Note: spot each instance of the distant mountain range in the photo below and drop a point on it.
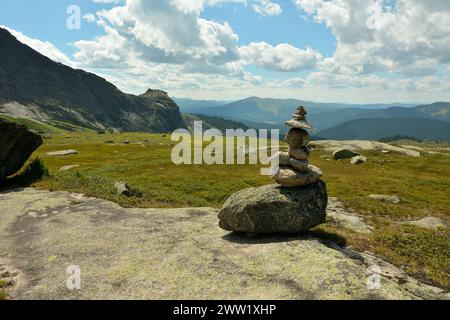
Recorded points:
(190, 105)
(35, 87)
(375, 129)
(330, 118)
(209, 122)
(274, 111)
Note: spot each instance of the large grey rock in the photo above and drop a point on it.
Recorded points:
(344, 154)
(275, 209)
(287, 177)
(17, 144)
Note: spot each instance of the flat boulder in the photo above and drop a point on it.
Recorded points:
(275, 209)
(17, 144)
(382, 197)
(61, 153)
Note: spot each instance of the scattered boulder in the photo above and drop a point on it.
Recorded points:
(358, 160)
(126, 142)
(62, 153)
(391, 199)
(109, 142)
(67, 168)
(385, 151)
(344, 154)
(122, 189)
(432, 223)
(17, 143)
(275, 209)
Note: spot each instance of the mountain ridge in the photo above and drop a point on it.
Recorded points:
(59, 92)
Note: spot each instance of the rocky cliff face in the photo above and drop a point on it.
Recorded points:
(58, 92)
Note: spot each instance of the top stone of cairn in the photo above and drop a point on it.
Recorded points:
(294, 169)
(298, 120)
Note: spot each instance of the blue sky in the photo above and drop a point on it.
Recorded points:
(321, 50)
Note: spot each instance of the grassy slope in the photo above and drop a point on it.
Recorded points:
(421, 183)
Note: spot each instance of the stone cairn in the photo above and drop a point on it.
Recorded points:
(298, 205)
(295, 169)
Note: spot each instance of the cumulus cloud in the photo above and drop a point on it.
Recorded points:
(267, 8)
(159, 31)
(282, 57)
(411, 37)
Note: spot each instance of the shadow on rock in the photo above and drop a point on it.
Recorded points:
(327, 238)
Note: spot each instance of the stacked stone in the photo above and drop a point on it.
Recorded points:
(294, 168)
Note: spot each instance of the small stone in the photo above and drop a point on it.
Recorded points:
(358, 160)
(385, 151)
(122, 189)
(299, 124)
(344, 154)
(381, 197)
(301, 153)
(62, 153)
(126, 142)
(283, 158)
(287, 177)
(109, 142)
(299, 165)
(297, 137)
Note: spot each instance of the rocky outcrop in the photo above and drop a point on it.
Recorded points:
(126, 253)
(275, 209)
(361, 145)
(75, 96)
(17, 144)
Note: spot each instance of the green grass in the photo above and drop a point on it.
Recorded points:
(422, 184)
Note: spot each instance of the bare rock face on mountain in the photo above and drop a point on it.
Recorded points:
(17, 143)
(52, 91)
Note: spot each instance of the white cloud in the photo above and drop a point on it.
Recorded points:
(411, 37)
(159, 31)
(267, 8)
(282, 57)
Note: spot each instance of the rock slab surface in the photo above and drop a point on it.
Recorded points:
(127, 253)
